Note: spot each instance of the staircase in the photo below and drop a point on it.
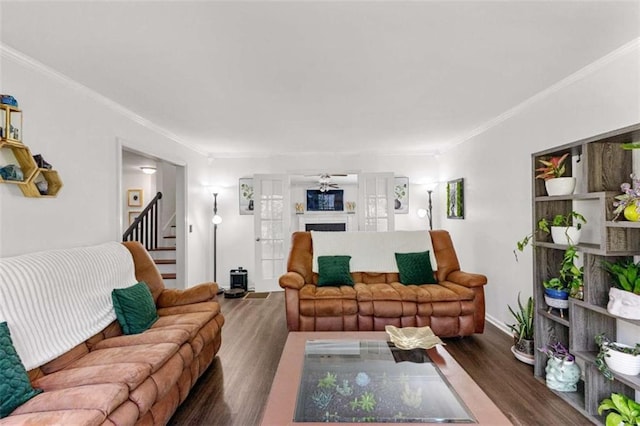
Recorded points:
(145, 230)
(164, 257)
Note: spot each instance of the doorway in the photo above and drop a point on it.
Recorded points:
(169, 178)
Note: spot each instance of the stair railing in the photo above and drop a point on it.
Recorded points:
(144, 228)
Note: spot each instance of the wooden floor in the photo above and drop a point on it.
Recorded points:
(235, 388)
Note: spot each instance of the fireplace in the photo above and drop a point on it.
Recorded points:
(333, 227)
(327, 221)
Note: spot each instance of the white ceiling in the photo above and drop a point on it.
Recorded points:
(263, 77)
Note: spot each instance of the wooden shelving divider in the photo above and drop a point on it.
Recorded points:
(604, 166)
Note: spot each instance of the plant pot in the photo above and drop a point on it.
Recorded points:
(624, 304)
(556, 298)
(560, 186)
(621, 362)
(562, 375)
(566, 235)
(631, 213)
(524, 346)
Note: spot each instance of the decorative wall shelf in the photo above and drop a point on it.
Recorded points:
(13, 151)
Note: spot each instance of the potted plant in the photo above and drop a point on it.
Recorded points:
(629, 202)
(562, 373)
(624, 296)
(618, 357)
(622, 410)
(552, 172)
(570, 283)
(564, 229)
(523, 331)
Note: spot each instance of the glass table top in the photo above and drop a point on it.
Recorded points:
(373, 381)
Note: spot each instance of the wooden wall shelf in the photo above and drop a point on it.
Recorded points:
(13, 151)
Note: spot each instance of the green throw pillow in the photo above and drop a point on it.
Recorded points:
(135, 308)
(15, 387)
(415, 268)
(334, 271)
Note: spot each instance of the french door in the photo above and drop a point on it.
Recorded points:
(272, 218)
(375, 199)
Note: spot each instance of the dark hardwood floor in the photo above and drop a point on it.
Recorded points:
(234, 390)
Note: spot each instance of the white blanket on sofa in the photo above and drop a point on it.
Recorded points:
(371, 251)
(54, 300)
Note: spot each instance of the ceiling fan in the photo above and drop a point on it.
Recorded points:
(325, 182)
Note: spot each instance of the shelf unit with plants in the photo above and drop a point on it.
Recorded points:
(14, 151)
(600, 165)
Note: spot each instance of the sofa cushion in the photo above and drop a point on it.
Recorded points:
(334, 270)
(104, 398)
(57, 417)
(155, 355)
(129, 373)
(176, 336)
(415, 268)
(135, 308)
(15, 387)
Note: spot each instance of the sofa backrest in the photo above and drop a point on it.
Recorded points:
(145, 268)
(301, 259)
(55, 299)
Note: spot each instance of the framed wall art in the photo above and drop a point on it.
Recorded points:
(134, 198)
(245, 194)
(133, 216)
(455, 199)
(401, 195)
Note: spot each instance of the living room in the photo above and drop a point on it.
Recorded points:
(549, 74)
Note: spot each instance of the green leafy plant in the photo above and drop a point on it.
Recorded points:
(605, 345)
(570, 275)
(553, 168)
(367, 402)
(625, 274)
(622, 410)
(567, 220)
(328, 381)
(523, 328)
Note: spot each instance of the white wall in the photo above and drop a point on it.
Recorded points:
(496, 167)
(78, 135)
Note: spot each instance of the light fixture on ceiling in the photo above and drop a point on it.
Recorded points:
(325, 183)
(148, 170)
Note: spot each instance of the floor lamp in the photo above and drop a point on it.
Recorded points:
(429, 211)
(217, 220)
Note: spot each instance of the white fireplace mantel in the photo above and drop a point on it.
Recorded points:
(347, 219)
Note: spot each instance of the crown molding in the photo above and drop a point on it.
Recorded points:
(567, 81)
(27, 61)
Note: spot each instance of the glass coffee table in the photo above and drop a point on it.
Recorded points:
(357, 377)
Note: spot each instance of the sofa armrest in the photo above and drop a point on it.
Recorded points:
(200, 293)
(291, 280)
(467, 279)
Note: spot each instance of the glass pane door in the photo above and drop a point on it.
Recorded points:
(375, 194)
(271, 220)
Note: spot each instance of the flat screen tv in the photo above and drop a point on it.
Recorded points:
(331, 200)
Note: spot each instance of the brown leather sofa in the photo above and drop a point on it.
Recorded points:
(453, 307)
(116, 379)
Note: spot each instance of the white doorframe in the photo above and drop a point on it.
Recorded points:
(181, 203)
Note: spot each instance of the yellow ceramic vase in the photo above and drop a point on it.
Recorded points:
(631, 213)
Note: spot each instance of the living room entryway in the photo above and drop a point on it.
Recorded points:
(152, 186)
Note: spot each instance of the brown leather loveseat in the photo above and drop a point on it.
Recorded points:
(111, 378)
(453, 307)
